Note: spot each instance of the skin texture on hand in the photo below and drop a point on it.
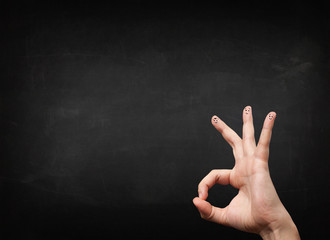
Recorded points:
(256, 208)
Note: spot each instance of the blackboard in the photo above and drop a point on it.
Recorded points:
(105, 113)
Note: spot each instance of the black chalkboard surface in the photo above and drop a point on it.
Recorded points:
(105, 113)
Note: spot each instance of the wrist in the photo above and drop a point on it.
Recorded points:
(285, 230)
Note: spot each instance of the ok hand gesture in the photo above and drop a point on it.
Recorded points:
(256, 208)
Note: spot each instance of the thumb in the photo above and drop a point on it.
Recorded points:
(209, 212)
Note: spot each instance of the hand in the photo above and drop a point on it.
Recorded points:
(256, 208)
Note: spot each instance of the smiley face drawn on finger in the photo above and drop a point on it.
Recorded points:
(215, 119)
(247, 110)
(270, 116)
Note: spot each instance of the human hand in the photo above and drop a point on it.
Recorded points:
(256, 208)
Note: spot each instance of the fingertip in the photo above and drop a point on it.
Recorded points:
(271, 116)
(269, 120)
(247, 114)
(202, 191)
(204, 207)
(215, 119)
(195, 201)
(247, 110)
(200, 194)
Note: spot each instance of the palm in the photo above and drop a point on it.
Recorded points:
(243, 212)
(256, 202)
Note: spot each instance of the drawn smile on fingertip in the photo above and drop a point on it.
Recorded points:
(247, 110)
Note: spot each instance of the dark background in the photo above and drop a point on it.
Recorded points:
(105, 113)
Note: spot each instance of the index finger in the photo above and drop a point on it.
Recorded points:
(228, 134)
(220, 176)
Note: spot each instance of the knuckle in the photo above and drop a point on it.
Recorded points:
(213, 172)
(248, 137)
(237, 142)
(210, 216)
(264, 144)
